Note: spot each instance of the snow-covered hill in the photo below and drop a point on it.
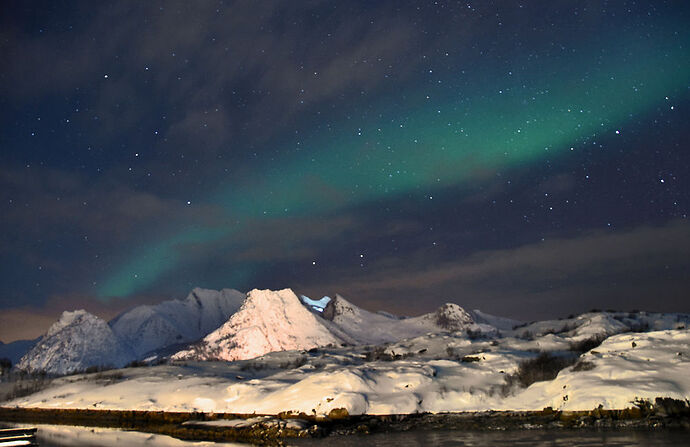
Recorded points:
(447, 360)
(228, 325)
(78, 340)
(437, 373)
(267, 321)
(500, 323)
(374, 328)
(602, 324)
(146, 329)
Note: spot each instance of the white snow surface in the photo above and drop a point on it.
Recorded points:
(625, 367)
(373, 328)
(75, 342)
(148, 328)
(602, 324)
(76, 436)
(500, 323)
(281, 355)
(429, 376)
(267, 321)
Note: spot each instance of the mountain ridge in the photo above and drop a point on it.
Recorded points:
(79, 340)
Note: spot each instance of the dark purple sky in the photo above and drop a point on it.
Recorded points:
(528, 159)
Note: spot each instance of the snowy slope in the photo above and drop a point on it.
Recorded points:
(656, 365)
(374, 328)
(150, 328)
(603, 324)
(625, 367)
(267, 321)
(500, 323)
(75, 342)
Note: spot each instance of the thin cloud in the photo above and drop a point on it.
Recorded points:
(624, 269)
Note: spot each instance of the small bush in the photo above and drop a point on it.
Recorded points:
(379, 353)
(541, 368)
(470, 359)
(29, 385)
(93, 369)
(641, 326)
(107, 376)
(526, 335)
(521, 325)
(586, 344)
(5, 364)
(293, 364)
(136, 364)
(474, 335)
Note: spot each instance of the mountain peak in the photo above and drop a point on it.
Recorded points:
(267, 321)
(339, 306)
(452, 317)
(150, 328)
(75, 342)
(68, 318)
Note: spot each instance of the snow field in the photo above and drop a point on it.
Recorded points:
(657, 366)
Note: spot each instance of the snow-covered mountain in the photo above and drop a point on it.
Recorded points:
(78, 340)
(430, 363)
(267, 321)
(232, 326)
(277, 321)
(373, 328)
(148, 328)
(434, 373)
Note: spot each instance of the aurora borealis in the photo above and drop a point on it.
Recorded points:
(499, 156)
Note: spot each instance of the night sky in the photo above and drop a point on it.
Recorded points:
(530, 159)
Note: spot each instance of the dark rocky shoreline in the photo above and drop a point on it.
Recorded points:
(663, 413)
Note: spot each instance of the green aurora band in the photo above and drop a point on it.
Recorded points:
(432, 144)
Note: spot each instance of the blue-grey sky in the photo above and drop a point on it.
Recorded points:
(529, 159)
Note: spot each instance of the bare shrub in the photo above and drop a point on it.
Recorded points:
(470, 359)
(474, 335)
(5, 365)
(294, 364)
(587, 344)
(28, 384)
(379, 353)
(136, 364)
(543, 367)
(640, 326)
(526, 335)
